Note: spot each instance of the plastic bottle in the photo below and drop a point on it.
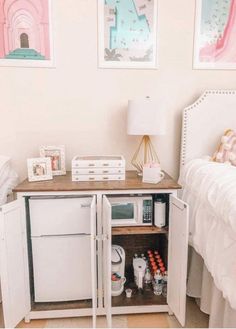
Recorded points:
(164, 284)
(147, 276)
(157, 288)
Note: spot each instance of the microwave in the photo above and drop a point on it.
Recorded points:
(131, 210)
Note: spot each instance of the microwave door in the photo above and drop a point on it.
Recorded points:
(124, 213)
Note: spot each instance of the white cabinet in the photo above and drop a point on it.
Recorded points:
(14, 271)
(178, 258)
(177, 264)
(36, 243)
(58, 264)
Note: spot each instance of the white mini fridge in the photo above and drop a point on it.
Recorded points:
(61, 248)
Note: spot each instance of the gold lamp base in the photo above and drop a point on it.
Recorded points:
(144, 154)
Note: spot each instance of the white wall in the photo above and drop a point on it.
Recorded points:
(84, 107)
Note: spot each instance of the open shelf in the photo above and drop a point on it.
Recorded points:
(138, 298)
(132, 230)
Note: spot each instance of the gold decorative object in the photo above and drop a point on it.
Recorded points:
(144, 154)
(145, 117)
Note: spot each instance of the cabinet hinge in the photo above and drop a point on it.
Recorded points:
(102, 237)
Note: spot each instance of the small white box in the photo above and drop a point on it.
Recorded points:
(97, 178)
(97, 171)
(98, 168)
(113, 161)
(152, 175)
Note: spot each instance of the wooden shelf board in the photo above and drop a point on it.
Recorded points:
(64, 183)
(138, 230)
(138, 299)
(87, 303)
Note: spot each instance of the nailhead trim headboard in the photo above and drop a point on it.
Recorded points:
(205, 121)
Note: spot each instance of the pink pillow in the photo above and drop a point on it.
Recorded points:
(227, 149)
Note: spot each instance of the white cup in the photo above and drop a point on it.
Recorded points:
(128, 292)
(117, 284)
(152, 175)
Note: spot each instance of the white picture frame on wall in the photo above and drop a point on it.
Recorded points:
(56, 154)
(214, 41)
(39, 169)
(26, 34)
(128, 34)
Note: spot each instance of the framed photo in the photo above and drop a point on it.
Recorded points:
(57, 158)
(127, 33)
(39, 169)
(26, 33)
(215, 43)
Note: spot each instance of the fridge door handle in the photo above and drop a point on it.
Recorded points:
(63, 235)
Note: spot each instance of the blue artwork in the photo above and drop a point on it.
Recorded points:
(130, 28)
(129, 31)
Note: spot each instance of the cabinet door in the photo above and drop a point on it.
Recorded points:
(93, 259)
(177, 258)
(14, 271)
(106, 213)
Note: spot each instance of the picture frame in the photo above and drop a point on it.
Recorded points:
(26, 33)
(130, 39)
(214, 44)
(39, 169)
(57, 158)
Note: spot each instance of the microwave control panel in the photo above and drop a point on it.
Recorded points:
(147, 211)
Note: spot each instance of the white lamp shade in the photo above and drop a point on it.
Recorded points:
(145, 117)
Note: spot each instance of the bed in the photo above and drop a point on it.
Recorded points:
(210, 190)
(8, 179)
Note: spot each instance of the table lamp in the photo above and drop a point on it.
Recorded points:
(145, 117)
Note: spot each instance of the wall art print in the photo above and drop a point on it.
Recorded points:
(215, 30)
(25, 33)
(127, 33)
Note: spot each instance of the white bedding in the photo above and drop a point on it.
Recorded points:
(8, 178)
(210, 191)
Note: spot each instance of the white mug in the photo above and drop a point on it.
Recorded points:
(116, 285)
(152, 175)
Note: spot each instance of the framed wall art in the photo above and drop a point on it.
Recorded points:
(57, 157)
(215, 26)
(26, 33)
(39, 169)
(127, 33)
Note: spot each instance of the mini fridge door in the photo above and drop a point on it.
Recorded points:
(62, 268)
(65, 265)
(56, 215)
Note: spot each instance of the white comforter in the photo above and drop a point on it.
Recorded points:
(8, 178)
(210, 191)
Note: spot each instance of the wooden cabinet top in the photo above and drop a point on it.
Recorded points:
(64, 183)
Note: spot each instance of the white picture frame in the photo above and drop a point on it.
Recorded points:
(149, 52)
(57, 158)
(35, 63)
(212, 32)
(39, 169)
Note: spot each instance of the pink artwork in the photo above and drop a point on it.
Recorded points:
(215, 45)
(25, 30)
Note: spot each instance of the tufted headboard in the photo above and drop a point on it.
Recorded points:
(205, 121)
